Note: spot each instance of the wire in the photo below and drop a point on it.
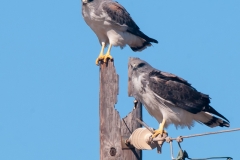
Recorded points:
(208, 133)
(179, 139)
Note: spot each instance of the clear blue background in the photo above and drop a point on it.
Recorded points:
(49, 83)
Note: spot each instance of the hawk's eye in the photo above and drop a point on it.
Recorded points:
(140, 65)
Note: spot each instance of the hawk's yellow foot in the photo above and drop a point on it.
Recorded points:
(107, 55)
(160, 130)
(101, 56)
(157, 132)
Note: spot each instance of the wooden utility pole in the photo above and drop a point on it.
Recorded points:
(113, 129)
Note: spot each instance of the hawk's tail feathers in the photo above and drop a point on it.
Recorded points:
(144, 45)
(210, 120)
(216, 122)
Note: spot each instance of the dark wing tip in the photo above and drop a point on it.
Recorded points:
(213, 111)
(153, 40)
(142, 47)
(139, 33)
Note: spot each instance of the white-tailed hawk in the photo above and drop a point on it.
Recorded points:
(171, 99)
(113, 25)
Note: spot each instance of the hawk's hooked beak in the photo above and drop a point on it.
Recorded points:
(134, 66)
(86, 1)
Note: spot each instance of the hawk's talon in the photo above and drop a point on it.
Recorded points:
(100, 58)
(157, 132)
(106, 57)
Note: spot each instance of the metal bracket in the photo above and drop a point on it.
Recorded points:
(125, 143)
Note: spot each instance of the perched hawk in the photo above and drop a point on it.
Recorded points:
(171, 99)
(113, 25)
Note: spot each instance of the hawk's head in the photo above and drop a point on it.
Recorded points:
(137, 66)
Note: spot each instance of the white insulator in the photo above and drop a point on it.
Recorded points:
(140, 139)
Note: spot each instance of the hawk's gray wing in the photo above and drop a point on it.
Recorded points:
(178, 91)
(119, 16)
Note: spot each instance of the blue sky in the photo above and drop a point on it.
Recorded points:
(49, 83)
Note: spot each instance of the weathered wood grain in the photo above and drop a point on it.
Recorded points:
(112, 128)
(128, 125)
(110, 125)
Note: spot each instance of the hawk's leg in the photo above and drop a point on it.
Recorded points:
(107, 55)
(160, 130)
(101, 56)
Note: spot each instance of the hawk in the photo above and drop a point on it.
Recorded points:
(113, 25)
(171, 99)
